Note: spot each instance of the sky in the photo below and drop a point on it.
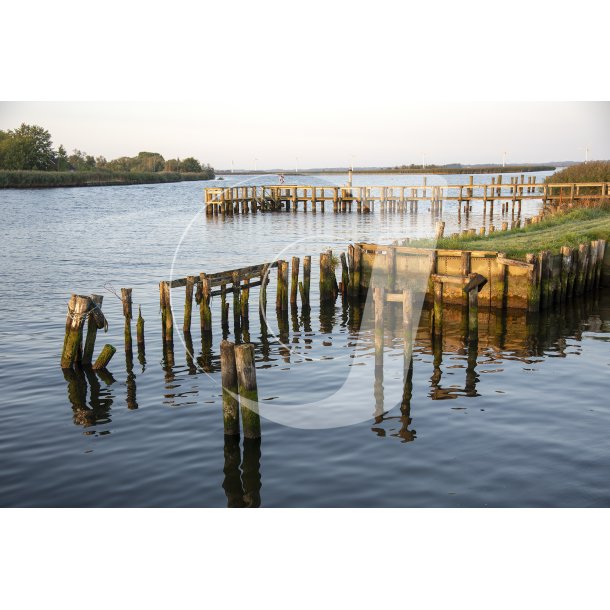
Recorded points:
(324, 130)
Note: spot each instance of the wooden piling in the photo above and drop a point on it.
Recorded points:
(473, 314)
(533, 283)
(73, 338)
(379, 302)
(245, 299)
(92, 328)
(205, 313)
(104, 358)
(127, 313)
(188, 303)
(438, 308)
(294, 284)
(167, 319)
(248, 390)
(345, 279)
(140, 332)
(230, 400)
(306, 279)
(281, 298)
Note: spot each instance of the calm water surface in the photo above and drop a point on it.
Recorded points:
(521, 421)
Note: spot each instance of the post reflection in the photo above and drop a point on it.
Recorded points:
(242, 478)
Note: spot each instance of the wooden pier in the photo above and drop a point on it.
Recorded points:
(365, 199)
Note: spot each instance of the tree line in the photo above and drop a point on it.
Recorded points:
(29, 148)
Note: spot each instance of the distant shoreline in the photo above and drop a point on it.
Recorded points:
(40, 179)
(490, 169)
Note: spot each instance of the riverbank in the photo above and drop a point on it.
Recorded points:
(554, 231)
(42, 179)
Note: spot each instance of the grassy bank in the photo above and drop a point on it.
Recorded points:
(569, 229)
(40, 179)
(593, 171)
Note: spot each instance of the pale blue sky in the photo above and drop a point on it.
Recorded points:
(328, 130)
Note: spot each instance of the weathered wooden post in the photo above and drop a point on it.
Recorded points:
(248, 390)
(407, 321)
(391, 268)
(205, 312)
(77, 314)
(188, 303)
(533, 283)
(230, 400)
(140, 333)
(245, 301)
(127, 313)
(356, 270)
(167, 319)
(92, 328)
(473, 314)
(262, 295)
(440, 230)
(294, 285)
(345, 279)
(104, 358)
(236, 305)
(306, 280)
(379, 302)
(281, 300)
(438, 307)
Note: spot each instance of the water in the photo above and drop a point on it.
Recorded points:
(523, 422)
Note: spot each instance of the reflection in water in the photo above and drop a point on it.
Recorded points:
(100, 400)
(242, 488)
(438, 360)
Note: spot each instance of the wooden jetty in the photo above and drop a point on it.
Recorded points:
(365, 199)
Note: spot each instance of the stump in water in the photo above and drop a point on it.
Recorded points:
(248, 390)
(92, 328)
(140, 332)
(230, 402)
(77, 312)
(188, 303)
(104, 358)
(127, 312)
(167, 319)
(306, 279)
(204, 305)
(294, 280)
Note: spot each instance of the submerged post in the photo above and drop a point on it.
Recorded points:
(127, 313)
(104, 358)
(294, 285)
(248, 390)
(92, 328)
(230, 402)
(205, 312)
(188, 303)
(140, 332)
(77, 311)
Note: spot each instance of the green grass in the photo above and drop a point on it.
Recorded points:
(41, 179)
(569, 229)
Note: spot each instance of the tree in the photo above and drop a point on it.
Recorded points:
(61, 159)
(28, 147)
(190, 164)
(148, 162)
(172, 165)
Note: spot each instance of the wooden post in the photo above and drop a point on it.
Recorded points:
(74, 330)
(566, 268)
(205, 313)
(188, 303)
(104, 358)
(236, 304)
(248, 390)
(440, 230)
(601, 252)
(391, 268)
(281, 300)
(92, 327)
(407, 321)
(357, 267)
(473, 314)
(581, 272)
(262, 296)
(230, 401)
(127, 313)
(438, 307)
(345, 279)
(167, 319)
(294, 284)
(306, 279)
(245, 299)
(379, 302)
(533, 283)
(140, 333)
